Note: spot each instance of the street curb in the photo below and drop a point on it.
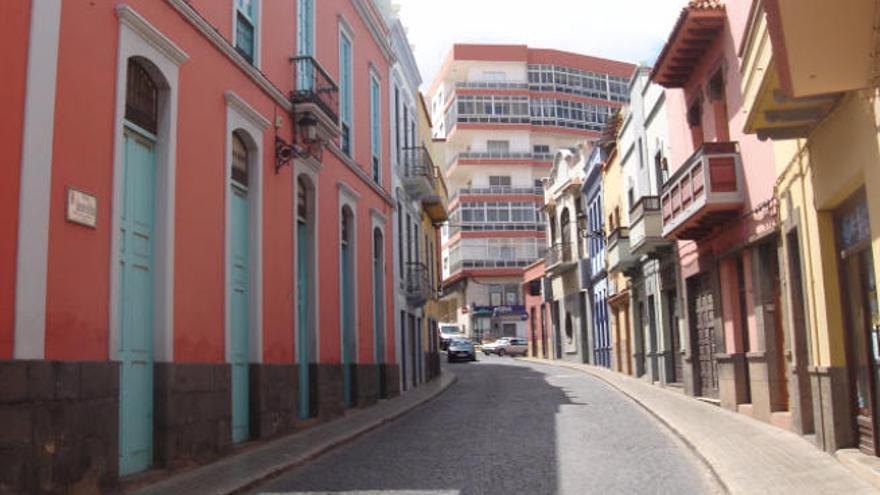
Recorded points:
(447, 379)
(678, 434)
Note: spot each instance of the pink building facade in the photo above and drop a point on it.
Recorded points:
(718, 204)
(171, 175)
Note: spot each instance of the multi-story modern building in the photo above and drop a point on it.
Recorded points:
(503, 110)
(809, 84)
(196, 230)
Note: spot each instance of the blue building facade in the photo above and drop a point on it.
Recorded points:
(598, 291)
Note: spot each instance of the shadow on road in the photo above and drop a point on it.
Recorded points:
(493, 432)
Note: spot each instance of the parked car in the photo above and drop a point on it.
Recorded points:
(513, 347)
(461, 350)
(448, 333)
(492, 347)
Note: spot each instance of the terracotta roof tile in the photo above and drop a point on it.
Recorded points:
(705, 4)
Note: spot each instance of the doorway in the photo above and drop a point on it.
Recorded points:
(862, 317)
(701, 303)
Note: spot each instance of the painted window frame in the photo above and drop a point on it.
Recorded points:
(305, 49)
(346, 90)
(348, 197)
(375, 127)
(238, 9)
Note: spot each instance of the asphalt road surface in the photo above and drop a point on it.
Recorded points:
(510, 427)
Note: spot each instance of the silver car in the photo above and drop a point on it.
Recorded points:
(513, 346)
(461, 350)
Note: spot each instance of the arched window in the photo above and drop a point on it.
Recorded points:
(239, 160)
(141, 98)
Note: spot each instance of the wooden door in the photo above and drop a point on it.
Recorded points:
(702, 304)
(239, 300)
(136, 302)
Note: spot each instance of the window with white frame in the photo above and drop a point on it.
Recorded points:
(246, 29)
(375, 128)
(305, 27)
(345, 91)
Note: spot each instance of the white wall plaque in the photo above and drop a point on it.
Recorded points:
(82, 208)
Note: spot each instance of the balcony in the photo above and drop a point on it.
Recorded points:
(417, 285)
(505, 157)
(435, 207)
(646, 227)
(417, 171)
(498, 191)
(316, 94)
(823, 47)
(617, 251)
(560, 258)
(704, 193)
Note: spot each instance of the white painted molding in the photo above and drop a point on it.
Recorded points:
(348, 192)
(378, 216)
(149, 33)
(209, 32)
(346, 26)
(246, 111)
(375, 29)
(311, 163)
(38, 128)
(362, 175)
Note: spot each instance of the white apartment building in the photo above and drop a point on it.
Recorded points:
(504, 110)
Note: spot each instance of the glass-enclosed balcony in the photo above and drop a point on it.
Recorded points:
(704, 193)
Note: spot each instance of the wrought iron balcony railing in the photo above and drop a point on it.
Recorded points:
(314, 85)
(417, 284)
(559, 256)
(417, 171)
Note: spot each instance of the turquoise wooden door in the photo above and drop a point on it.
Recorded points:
(347, 324)
(136, 303)
(239, 315)
(303, 343)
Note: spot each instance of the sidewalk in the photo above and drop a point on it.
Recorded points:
(240, 471)
(747, 456)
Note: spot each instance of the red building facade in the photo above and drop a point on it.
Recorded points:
(206, 94)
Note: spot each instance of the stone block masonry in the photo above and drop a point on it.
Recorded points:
(59, 426)
(193, 415)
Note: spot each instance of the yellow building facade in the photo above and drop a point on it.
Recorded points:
(808, 86)
(618, 257)
(433, 213)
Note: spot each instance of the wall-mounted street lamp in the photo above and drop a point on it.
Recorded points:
(584, 232)
(308, 146)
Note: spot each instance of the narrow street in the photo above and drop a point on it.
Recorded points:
(512, 427)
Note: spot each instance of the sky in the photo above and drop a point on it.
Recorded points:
(627, 30)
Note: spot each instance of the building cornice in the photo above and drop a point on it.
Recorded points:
(148, 32)
(376, 30)
(361, 174)
(226, 48)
